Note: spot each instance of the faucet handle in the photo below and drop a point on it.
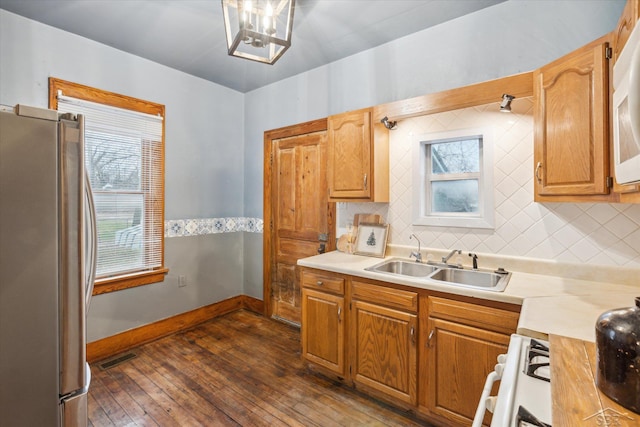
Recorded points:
(474, 258)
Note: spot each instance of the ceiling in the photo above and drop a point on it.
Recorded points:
(188, 35)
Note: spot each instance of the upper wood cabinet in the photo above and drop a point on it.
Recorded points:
(571, 125)
(358, 164)
(628, 20)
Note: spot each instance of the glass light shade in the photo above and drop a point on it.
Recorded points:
(259, 30)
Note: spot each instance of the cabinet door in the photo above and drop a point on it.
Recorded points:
(349, 169)
(459, 359)
(384, 350)
(323, 329)
(571, 124)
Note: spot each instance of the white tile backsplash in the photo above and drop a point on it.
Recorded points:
(594, 233)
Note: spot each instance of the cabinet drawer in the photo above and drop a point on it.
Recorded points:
(489, 318)
(382, 295)
(325, 282)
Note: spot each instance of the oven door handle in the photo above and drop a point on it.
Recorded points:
(482, 406)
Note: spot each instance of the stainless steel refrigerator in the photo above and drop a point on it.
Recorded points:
(47, 264)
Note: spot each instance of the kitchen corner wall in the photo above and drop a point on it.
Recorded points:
(214, 135)
(592, 233)
(204, 159)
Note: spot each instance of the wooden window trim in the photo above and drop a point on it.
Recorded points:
(75, 90)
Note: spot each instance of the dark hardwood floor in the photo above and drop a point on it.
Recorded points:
(237, 370)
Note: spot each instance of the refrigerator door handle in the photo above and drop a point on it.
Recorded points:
(91, 241)
(72, 243)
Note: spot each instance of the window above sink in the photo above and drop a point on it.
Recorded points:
(453, 179)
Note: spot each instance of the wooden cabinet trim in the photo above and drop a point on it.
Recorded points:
(384, 295)
(479, 316)
(323, 282)
(519, 85)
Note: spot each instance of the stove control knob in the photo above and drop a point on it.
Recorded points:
(491, 403)
(502, 358)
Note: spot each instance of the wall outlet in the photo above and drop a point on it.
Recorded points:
(182, 281)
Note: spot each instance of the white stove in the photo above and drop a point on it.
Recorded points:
(524, 396)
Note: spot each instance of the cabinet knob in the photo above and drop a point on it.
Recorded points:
(365, 181)
(412, 332)
(339, 313)
(319, 283)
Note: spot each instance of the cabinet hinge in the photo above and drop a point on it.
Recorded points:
(349, 370)
(608, 53)
(271, 225)
(609, 182)
(271, 160)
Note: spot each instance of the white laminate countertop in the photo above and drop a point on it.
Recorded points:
(551, 304)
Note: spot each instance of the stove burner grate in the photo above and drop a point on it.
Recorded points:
(526, 418)
(537, 351)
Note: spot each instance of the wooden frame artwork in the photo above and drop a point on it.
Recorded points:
(372, 239)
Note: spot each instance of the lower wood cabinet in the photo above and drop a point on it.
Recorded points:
(383, 343)
(323, 322)
(423, 352)
(461, 343)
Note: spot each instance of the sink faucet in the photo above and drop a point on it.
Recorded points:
(418, 255)
(445, 259)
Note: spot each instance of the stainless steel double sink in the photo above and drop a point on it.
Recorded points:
(487, 280)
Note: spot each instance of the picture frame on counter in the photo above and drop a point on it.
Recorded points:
(371, 239)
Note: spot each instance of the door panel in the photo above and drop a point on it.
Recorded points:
(456, 378)
(301, 214)
(571, 125)
(385, 352)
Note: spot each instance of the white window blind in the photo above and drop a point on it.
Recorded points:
(124, 162)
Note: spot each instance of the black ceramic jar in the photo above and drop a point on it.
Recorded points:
(618, 355)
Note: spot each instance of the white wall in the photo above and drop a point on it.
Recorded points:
(203, 163)
(509, 38)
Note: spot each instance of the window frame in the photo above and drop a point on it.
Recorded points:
(87, 93)
(422, 174)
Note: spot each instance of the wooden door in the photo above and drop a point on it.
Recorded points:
(384, 350)
(459, 359)
(323, 330)
(301, 216)
(350, 155)
(571, 124)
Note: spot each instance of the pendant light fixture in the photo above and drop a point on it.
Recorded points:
(259, 30)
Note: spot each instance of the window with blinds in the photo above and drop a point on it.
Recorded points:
(124, 156)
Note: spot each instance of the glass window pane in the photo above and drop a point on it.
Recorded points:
(454, 196)
(120, 232)
(455, 156)
(113, 160)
